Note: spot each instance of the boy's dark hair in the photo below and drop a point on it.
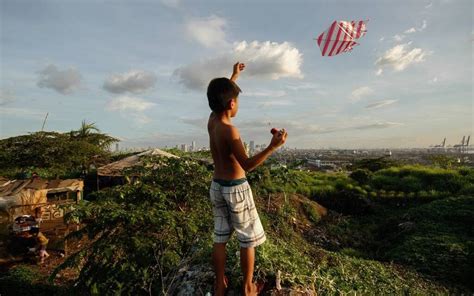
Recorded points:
(220, 91)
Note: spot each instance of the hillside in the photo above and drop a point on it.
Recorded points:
(328, 234)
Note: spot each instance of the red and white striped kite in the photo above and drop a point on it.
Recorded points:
(340, 37)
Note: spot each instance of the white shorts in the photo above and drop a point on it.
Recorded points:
(234, 210)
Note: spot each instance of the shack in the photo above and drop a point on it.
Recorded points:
(38, 197)
(113, 173)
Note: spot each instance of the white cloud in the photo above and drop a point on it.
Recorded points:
(380, 104)
(6, 97)
(434, 80)
(62, 81)
(378, 72)
(429, 5)
(269, 59)
(409, 31)
(127, 103)
(263, 59)
(361, 92)
(209, 32)
(134, 81)
(401, 56)
(382, 39)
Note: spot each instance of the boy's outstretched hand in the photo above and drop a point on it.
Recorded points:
(279, 138)
(238, 67)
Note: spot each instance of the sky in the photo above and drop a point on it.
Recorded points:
(139, 70)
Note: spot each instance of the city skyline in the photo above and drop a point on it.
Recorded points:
(139, 70)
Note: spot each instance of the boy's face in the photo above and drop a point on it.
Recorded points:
(234, 107)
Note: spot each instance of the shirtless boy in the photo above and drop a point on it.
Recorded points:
(230, 193)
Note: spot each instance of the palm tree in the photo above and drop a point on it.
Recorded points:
(90, 133)
(86, 129)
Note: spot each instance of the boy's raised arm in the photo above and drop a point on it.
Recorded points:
(238, 67)
(250, 163)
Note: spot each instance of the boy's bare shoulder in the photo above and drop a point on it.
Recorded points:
(228, 131)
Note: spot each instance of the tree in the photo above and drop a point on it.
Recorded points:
(58, 153)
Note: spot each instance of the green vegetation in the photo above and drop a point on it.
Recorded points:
(53, 154)
(27, 280)
(390, 228)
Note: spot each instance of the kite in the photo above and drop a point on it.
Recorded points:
(340, 37)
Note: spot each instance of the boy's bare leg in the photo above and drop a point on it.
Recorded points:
(218, 259)
(247, 260)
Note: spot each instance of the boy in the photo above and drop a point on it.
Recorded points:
(231, 195)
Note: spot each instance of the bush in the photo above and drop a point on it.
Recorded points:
(362, 176)
(142, 232)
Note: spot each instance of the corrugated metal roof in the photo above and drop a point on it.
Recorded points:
(116, 168)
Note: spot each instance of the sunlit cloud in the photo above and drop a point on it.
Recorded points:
(266, 60)
(401, 56)
(134, 81)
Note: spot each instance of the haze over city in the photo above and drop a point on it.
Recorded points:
(139, 70)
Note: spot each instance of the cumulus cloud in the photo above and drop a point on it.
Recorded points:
(134, 81)
(361, 92)
(378, 72)
(409, 31)
(401, 56)
(6, 97)
(62, 81)
(270, 60)
(380, 104)
(209, 32)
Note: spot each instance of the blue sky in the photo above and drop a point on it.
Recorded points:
(138, 69)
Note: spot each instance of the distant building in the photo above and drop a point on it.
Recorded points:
(116, 147)
(246, 147)
(193, 146)
(184, 147)
(252, 147)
